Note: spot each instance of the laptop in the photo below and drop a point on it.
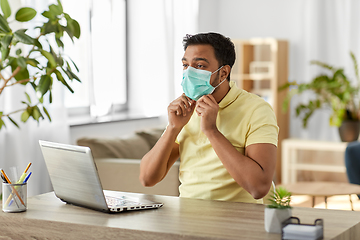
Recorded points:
(75, 180)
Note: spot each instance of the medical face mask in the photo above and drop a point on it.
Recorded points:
(196, 82)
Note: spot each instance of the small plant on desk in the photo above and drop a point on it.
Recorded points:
(280, 199)
(278, 211)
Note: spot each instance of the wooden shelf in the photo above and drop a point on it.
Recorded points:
(256, 76)
(291, 165)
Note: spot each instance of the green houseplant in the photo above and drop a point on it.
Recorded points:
(278, 210)
(333, 89)
(34, 56)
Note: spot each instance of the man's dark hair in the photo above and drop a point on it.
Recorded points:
(223, 46)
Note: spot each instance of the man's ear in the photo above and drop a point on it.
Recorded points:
(224, 72)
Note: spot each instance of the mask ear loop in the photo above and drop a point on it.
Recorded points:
(220, 82)
(217, 85)
(218, 69)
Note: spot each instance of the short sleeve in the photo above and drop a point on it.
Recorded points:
(263, 126)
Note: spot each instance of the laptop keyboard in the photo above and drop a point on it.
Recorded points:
(119, 202)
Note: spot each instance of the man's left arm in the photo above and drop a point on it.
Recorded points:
(253, 171)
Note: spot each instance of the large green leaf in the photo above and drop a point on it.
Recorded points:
(49, 27)
(25, 116)
(37, 43)
(49, 57)
(69, 32)
(55, 9)
(49, 15)
(28, 97)
(77, 69)
(5, 46)
(62, 80)
(5, 53)
(22, 74)
(6, 40)
(12, 120)
(23, 37)
(70, 74)
(43, 86)
(47, 113)
(50, 96)
(32, 62)
(58, 59)
(59, 43)
(60, 5)
(5, 7)
(4, 26)
(36, 114)
(76, 28)
(72, 27)
(25, 14)
(21, 62)
(2, 123)
(73, 75)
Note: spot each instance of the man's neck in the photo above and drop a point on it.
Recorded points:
(221, 91)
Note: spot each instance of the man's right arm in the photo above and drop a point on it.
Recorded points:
(157, 162)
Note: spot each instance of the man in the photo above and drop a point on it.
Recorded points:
(226, 138)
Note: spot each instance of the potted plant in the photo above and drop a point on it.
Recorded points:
(34, 57)
(278, 210)
(334, 90)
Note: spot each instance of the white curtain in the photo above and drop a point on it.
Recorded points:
(18, 147)
(156, 30)
(330, 30)
(181, 19)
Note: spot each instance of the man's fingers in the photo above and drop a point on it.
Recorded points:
(182, 105)
(176, 109)
(208, 99)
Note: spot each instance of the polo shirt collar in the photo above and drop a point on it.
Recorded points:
(230, 97)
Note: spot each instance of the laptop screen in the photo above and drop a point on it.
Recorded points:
(74, 175)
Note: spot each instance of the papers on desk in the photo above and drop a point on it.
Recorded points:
(292, 229)
(296, 231)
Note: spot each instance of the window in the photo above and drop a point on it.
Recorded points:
(100, 55)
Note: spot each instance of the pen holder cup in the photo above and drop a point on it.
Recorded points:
(14, 197)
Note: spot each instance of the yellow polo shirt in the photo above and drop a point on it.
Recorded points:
(244, 119)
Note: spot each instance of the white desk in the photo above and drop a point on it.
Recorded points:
(290, 164)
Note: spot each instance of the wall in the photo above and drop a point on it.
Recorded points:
(248, 19)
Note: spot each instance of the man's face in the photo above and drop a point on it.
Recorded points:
(202, 56)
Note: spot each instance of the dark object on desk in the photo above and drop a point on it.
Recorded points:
(293, 229)
(352, 162)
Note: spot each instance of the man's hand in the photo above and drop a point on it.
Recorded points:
(207, 108)
(180, 111)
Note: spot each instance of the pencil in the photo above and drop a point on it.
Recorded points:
(27, 168)
(21, 179)
(14, 190)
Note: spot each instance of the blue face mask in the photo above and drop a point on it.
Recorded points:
(196, 82)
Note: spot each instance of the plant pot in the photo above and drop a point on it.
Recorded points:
(349, 130)
(273, 217)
